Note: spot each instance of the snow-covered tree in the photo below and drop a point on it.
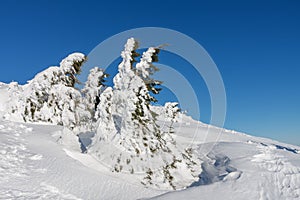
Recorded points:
(105, 125)
(71, 67)
(51, 95)
(37, 92)
(127, 137)
(171, 111)
(145, 69)
(133, 142)
(132, 100)
(93, 87)
(15, 102)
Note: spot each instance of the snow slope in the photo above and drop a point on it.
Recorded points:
(246, 170)
(33, 165)
(45, 162)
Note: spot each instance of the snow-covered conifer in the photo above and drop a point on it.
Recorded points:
(93, 88)
(171, 111)
(51, 95)
(105, 125)
(15, 102)
(145, 69)
(71, 67)
(136, 143)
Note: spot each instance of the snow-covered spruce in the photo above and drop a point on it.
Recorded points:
(93, 88)
(105, 124)
(171, 112)
(51, 96)
(15, 102)
(145, 69)
(128, 138)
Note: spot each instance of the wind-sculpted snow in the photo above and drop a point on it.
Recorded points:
(18, 166)
(13, 152)
(281, 174)
(257, 170)
(33, 165)
(216, 168)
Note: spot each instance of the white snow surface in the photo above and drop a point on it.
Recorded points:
(46, 162)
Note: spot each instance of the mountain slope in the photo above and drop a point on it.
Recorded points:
(34, 165)
(45, 162)
(246, 170)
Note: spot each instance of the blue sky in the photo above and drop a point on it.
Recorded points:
(255, 44)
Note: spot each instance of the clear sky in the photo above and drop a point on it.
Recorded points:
(255, 44)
